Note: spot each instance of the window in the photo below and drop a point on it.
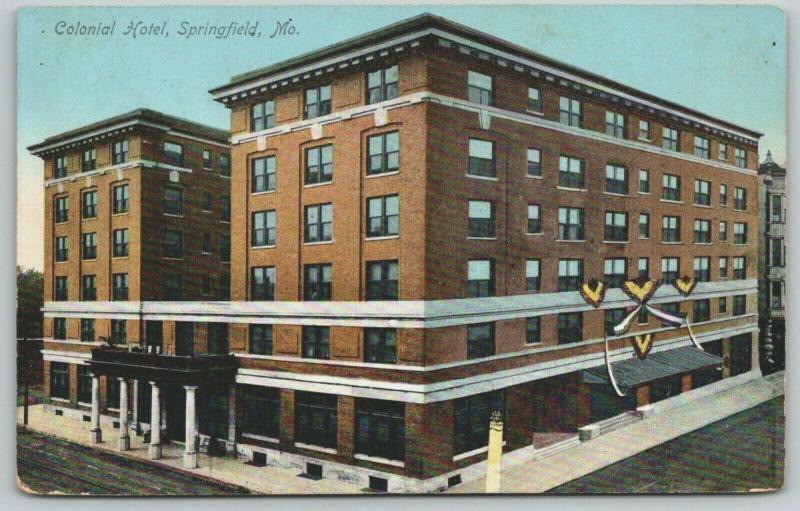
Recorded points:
(671, 229)
(317, 102)
(173, 153)
(669, 139)
(263, 174)
(263, 230)
(670, 268)
(701, 147)
(776, 251)
(184, 338)
(739, 233)
(119, 331)
(59, 380)
(671, 189)
(87, 330)
(224, 287)
(380, 345)
(84, 384)
(776, 294)
(173, 244)
(112, 393)
(723, 267)
(673, 308)
(317, 282)
(569, 111)
(481, 158)
(207, 248)
(534, 99)
(206, 285)
(702, 231)
(702, 272)
(315, 419)
(120, 286)
(739, 305)
(570, 327)
(723, 151)
(261, 414)
(481, 219)
(120, 248)
(644, 225)
(644, 130)
(616, 228)
(90, 204)
(471, 420)
(89, 161)
(62, 248)
(119, 152)
(480, 340)
(206, 202)
(570, 224)
(616, 179)
(479, 88)
(534, 162)
(701, 310)
(776, 209)
(225, 165)
(384, 153)
(534, 219)
(380, 428)
(382, 85)
(739, 157)
(570, 274)
(88, 288)
(121, 199)
(62, 209)
(225, 208)
(173, 200)
(644, 181)
(60, 167)
(615, 271)
(319, 164)
(59, 328)
(644, 267)
(173, 286)
(262, 115)
(723, 305)
(723, 230)
(61, 290)
(533, 280)
(261, 339)
(382, 279)
(615, 124)
(262, 283)
(319, 223)
(723, 195)
(225, 248)
(383, 216)
(643, 317)
(739, 268)
(316, 342)
(612, 318)
(739, 198)
(570, 173)
(702, 192)
(480, 278)
(218, 338)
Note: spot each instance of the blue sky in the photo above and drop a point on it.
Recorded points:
(726, 61)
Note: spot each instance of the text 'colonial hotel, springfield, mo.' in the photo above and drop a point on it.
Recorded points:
(411, 214)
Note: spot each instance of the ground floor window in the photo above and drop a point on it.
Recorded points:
(218, 338)
(709, 374)
(84, 384)
(112, 393)
(741, 354)
(380, 428)
(315, 419)
(119, 331)
(471, 420)
(59, 380)
(262, 407)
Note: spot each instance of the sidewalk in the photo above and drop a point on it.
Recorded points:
(669, 422)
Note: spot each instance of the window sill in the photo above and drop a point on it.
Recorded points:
(534, 234)
(121, 213)
(672, 243)
(264, 192)
(568, 189)
(482, 178)
(613, 242)
(315, 448)
(62, 223)
(533, 177)
(172, 258)
(382, 461)
(481, 238)
(535, 112)
(644, 237)
(225, 221)
(642, 139)
(61, 262)
(223, 176)
(114, 258)
(95, 218)
(381, 238)
(172, 215)
(740, 210)
(208, 168)
(261, 438)
(617, 194)
(475, 452)
(670, 201)
(382, 174)
(644, 193)
(570, 241)
(59, 399)
(701, 205)
(82, 403)
(263, 247)
(313, 243)
(701, 243)
(314, 185)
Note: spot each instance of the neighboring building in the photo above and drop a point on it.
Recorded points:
(772, 264)
(413, 211)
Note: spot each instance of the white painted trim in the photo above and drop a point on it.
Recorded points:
(76, 342)
(118, 167)
(382, 461)
(70, 357)
(315, 448)
(262, 438)
(202, 140)
(474, 452)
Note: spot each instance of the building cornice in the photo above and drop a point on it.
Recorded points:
(118, 168)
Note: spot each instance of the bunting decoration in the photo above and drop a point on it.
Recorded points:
(641, 290)
(673, 319)
(593, 292)
(625, 324)
(685, 285)
(642, 344)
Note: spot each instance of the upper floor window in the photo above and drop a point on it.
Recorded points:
(739, 233)
(723, 151)
(89, 204)
(671, 187)
(776, 294)
(702, 271)
(383, 216)
(534, 99)
(87, 330)
(262, 116)
(382, 277)
(702, 231)
(481, 158)
(225, 248)
(319, 164)
(534, 162)
(533, 279)
(570, 172)
(225, 165)
(120, 248)
(615, 124)
(702, 147)
(570, 327)
(319, 223)
(119, 286)
(569, 111)
(534, 219)
(570, 224)
(173, 244)
(261, 339)
(739, 198)
(739, 268)
(611, 318)
(644, 181)
(263, 229)
(480, 278)
(739, 157)
(570, 274)
(119, 331)
(121, 199)
(317, 282)
(90, 245)
(644, 268)
(723, 230)
(89, 161)
(60, 167)
(616, 179)
(481, 219)
(479, 89)
(701, 310)
(702, 192)
(670, 269)
(207, 200)
(262, 283)
(533, 330)
(480, 340)
(119, 152)
(382, 85)
(380, 345)
(739, 305)
(62, 209)
(317, 102)
(616, 228)
(644, 129)
(723, 267)
(263, 174)
(207, 159)
(173, 153)
(615, 271)
(173, 200)
(317, 343)
(644, 225)
(384, 153)
(61, 291)
(62, 248)
(671, 229)
(723, 195)
(776, 209)
(670, 139)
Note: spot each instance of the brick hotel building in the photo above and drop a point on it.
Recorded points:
(412, 213)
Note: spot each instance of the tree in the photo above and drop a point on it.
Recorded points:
(30, 299)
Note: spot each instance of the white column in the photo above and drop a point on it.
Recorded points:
(97, 434)
(124, 436)
(155, 423)
(135, 406)
(190, 452)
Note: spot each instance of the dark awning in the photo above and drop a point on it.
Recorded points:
(632, 372)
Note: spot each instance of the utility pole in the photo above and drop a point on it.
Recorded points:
(493, 460)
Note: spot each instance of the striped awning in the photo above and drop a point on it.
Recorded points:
(632, 372)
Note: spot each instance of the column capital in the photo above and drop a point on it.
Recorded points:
(153, 383)
(191, 387)
(121, 378)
